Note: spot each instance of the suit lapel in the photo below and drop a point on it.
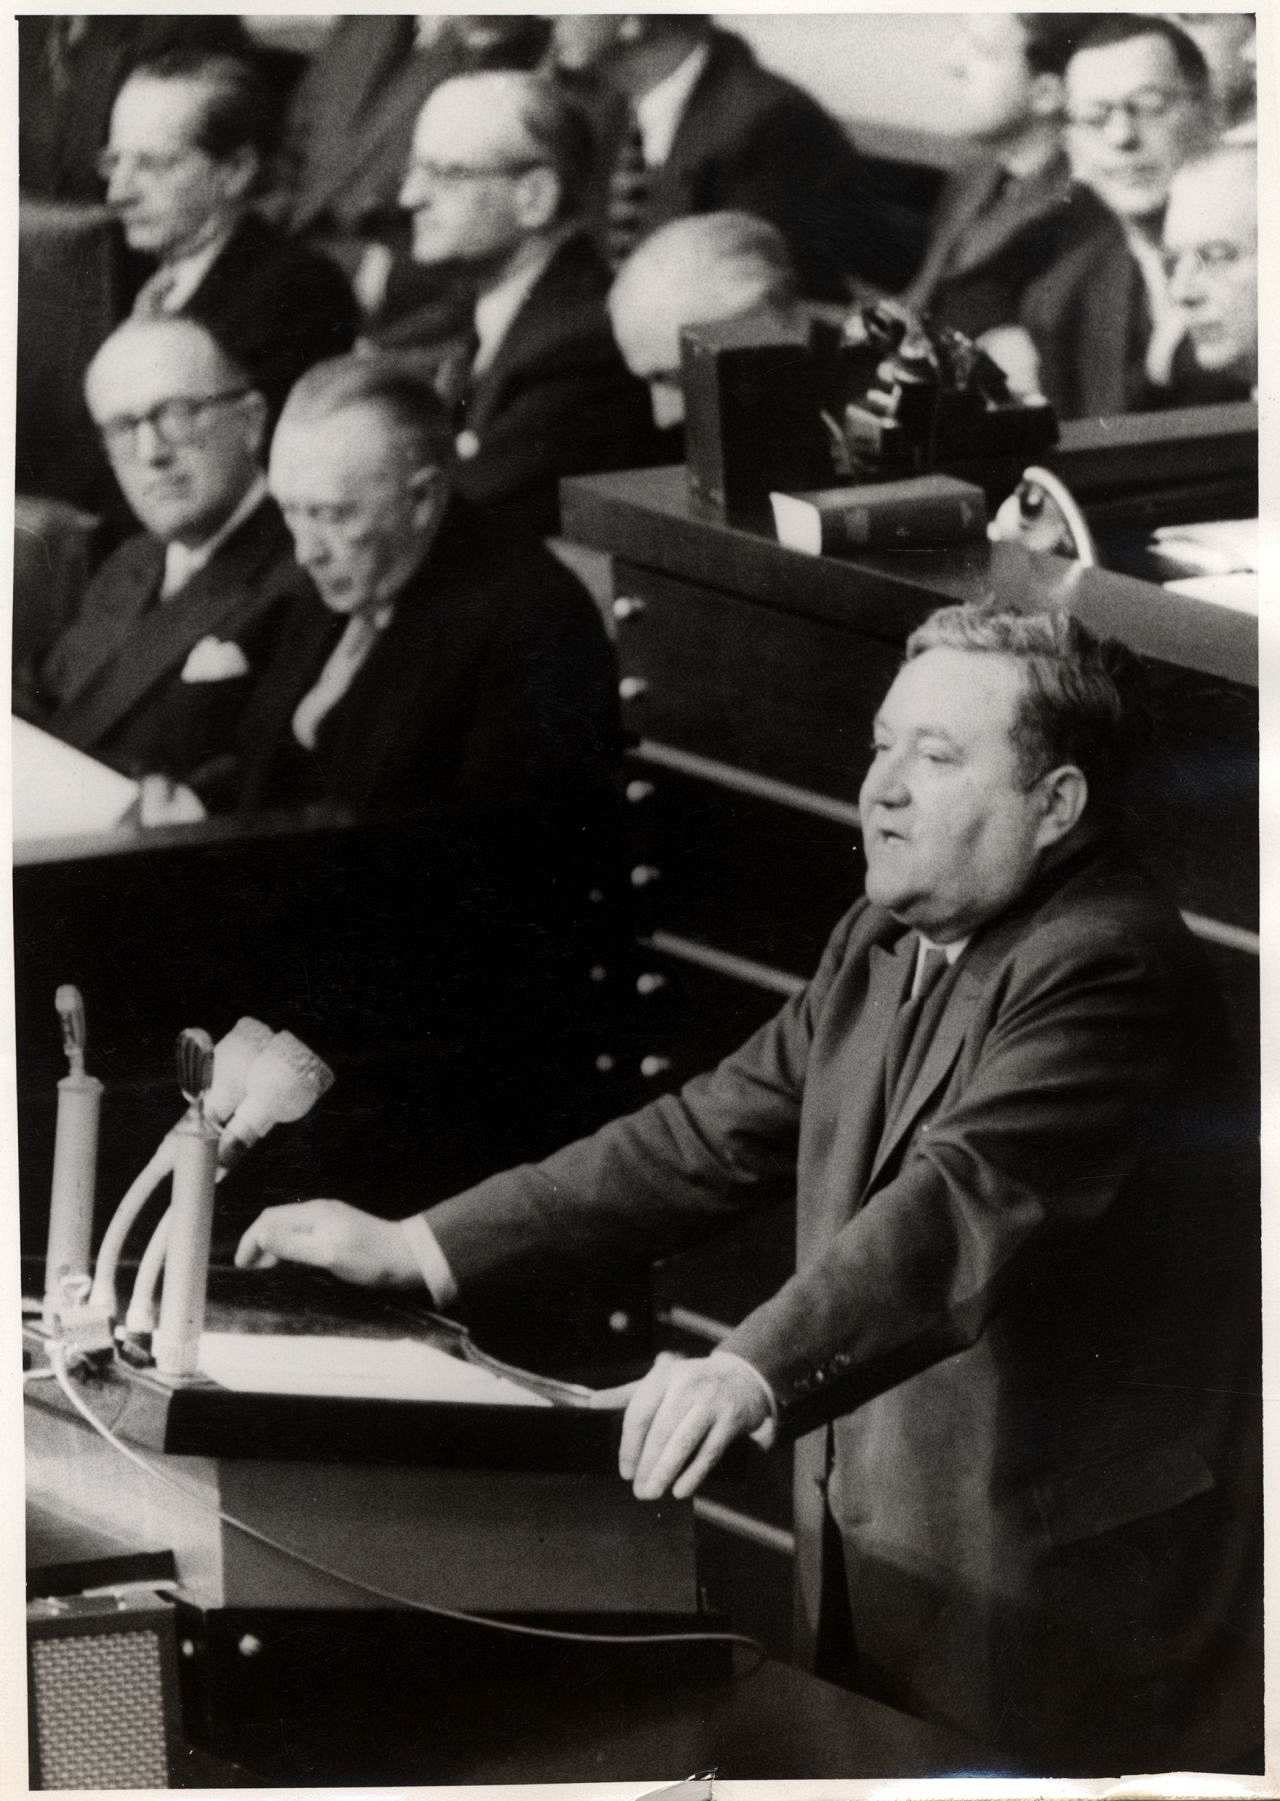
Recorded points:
(939, 1034)
(135, 588)
(162, 636)
(527, 336)
(858, 1099)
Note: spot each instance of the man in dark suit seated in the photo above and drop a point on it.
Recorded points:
(711, 131)
(1108, 335)
(151, 674)
(495, 185)
(1020, 1349)
(1004, 218)
(445, 664)
(191, 137)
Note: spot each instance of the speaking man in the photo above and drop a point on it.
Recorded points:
(538, 390)
(152, 673)
(192, 135)
(1021, 1336)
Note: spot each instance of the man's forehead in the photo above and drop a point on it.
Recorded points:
(1113, 71)
(159, 111)
(1213, 203)
(151, 364)
(336, 457)
(456, 125)
(963, 693)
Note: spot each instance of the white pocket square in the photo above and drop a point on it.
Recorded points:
(214, 660)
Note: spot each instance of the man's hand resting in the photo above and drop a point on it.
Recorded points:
(681, 1418)
(331, 1235)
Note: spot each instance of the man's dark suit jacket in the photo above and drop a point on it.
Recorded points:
(112, 684)
(750, 141)
(492, 690)
(1021, 1342)
(986, 247)
(1089, 318)
(275, 306)
(556, 400)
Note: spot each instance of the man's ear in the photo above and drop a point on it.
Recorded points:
(537, 198)
(239, 171)
(1065, 795)
(426, 488)
(1047, 98)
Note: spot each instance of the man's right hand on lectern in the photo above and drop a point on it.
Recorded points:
(332, 1235)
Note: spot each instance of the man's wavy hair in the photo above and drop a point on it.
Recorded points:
(1083, 699)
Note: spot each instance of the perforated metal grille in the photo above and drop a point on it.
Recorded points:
(100, 1711)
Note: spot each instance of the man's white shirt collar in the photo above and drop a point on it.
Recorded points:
(1167, 323)
(498, 306)
(950, 951)
(659, 112)
(183, 274)
(182, 561)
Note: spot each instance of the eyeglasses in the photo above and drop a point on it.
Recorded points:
(1147, 105)
(144, 162)
(1204, 259)
(453, 174)
(174, 422)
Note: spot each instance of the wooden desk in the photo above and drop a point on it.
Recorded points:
(750, 676)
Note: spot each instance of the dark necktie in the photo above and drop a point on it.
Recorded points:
(629, 185)
(932, 968)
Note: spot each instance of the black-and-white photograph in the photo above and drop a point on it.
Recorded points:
(635, 794)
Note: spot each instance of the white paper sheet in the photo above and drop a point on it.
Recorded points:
(1239, 591)
(59, 791)
(400, 1369)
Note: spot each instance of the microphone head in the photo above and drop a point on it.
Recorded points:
(285, 1081)
(195, 1062)
(233, 1057)
(69, 1003)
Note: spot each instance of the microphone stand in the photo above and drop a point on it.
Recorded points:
(195, 1163)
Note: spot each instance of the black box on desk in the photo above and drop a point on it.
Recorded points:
(753, 414)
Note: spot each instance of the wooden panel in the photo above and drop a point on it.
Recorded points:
(760, 880)
(787, 696)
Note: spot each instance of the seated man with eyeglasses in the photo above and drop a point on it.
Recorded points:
(1211, 260)
(152, 673)
(192, 140)
(1107, 330)
(497, 185)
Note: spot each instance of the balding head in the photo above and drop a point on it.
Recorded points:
(359, 467)
(1211, 253)
(695, 271)
(182, 426)
(498, 158)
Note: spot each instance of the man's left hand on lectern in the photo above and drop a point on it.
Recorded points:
(682, 1417)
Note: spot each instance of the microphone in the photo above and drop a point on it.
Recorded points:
(233, 1057)
(75, 1164)
(186, 1269)
(284, 1082)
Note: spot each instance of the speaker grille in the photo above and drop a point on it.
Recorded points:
(99, 1710)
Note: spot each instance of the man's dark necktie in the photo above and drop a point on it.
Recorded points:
(629, 187)
(932, 968)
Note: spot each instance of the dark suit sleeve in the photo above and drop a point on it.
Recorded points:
(674, 1173)
(1038, 1141)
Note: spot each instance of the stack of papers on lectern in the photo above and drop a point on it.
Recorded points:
(1217, 547)
(402, 1369)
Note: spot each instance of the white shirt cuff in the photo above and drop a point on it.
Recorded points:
(430, 1259)
(767, 1430)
